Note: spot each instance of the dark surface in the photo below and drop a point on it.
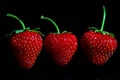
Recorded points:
(70, 16)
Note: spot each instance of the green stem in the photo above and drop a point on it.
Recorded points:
(58, 31)
(11, 15)
(104, 17)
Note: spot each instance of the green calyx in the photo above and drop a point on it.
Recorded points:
(49, 19)
(23, 26)
(102, 26)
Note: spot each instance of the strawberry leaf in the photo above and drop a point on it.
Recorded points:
(112, 35)
(92, 28)
(17, 31)
(38, 31)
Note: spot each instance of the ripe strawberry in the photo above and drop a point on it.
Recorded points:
(60, 46)
(26, 45)
(98, 45)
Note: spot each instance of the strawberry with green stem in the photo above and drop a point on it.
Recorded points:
(98, 45)
(60, 46)
(26, 44)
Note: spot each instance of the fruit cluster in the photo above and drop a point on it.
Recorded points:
(27, 44)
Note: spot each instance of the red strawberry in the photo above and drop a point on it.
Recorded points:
(98, 45)
(26, 45)
(60, 46)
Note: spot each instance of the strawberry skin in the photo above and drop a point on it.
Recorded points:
(98, 47)
(26, 46)
(61, 47)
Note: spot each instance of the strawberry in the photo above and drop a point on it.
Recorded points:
(60, 46)
(98, 45)
(26, 45)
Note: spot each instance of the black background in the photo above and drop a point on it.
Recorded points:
(71, 16)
